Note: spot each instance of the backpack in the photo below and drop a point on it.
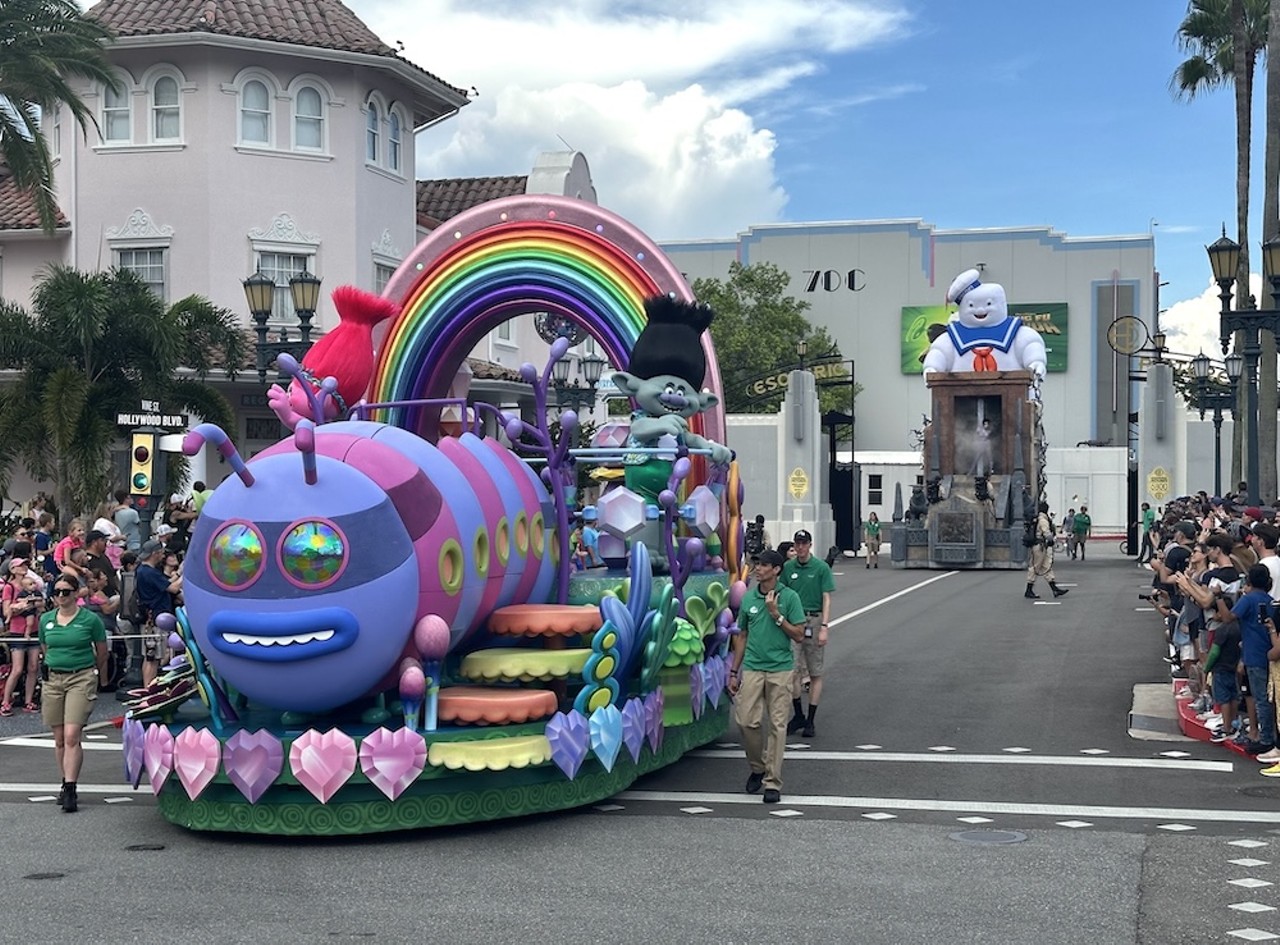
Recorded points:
(755, 538)
(130, 605)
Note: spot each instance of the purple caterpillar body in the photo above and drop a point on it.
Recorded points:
(306, 576)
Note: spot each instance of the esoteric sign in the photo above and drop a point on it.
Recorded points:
(919, 321)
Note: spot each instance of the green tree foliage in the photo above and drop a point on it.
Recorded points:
(42, 44)
(94, 345)
(755, 331)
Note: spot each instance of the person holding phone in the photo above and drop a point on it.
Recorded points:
(1254, 611)
(761, 667)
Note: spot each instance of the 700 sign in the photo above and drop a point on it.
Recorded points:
(833, 280)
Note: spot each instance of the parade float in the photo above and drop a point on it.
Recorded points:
(381, 630)
(983, 445)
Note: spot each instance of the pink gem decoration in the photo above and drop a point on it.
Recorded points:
(392, 760)
(195, 759)
(157, 755)
(133, 741)
(253, 761)
(323, 761)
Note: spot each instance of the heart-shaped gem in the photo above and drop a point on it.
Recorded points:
(633, 727)
(653, 706)
(392, 760)
(133, 741)
(696, 688)
(606, 734)
(196, 753)
(157, 755)
(253, 761)
(323, 761)
(570, 741)
(716, 675)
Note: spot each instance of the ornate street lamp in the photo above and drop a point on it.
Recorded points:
(260, 294)
(1217, 399)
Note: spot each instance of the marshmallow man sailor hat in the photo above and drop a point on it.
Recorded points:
(963, 283)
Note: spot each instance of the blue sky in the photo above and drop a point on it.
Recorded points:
(700, 120)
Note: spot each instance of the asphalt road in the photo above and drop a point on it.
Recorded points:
(957, 714)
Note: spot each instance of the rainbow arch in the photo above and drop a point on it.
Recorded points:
(515, 256)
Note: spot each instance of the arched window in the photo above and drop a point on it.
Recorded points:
(373, 132)
(117, 119)
(255, 113)
(393, 141)
(166, 110)
(308, 120)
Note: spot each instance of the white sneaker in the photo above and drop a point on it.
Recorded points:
(1210, 721)
(1269, 757)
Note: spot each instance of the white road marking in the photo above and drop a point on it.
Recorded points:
(30, 741)
(937, 757)
(81, 788)
(1206, 815)
(892, 597)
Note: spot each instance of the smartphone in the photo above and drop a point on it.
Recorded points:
(1264, 612)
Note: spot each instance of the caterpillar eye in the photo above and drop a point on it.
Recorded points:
(313, 553)
(236, 556)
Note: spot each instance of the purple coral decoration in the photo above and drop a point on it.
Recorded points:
(570, 739)
(132, 735)
(606, 734)
(653, 705)
(253, 761)
(392, 760)
(633, 724)
(696, 688)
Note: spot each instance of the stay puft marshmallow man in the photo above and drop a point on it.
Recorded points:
(983, 337)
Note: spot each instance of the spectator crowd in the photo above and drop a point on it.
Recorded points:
(1215, 581)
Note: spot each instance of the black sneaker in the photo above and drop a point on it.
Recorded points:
(1218, 736)
(754, 782)
(771, 796)
(1256, 748)
(808, 731)
(69, 805)
(795, 724)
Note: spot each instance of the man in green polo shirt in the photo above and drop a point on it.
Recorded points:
(811, 578)
(770, 618)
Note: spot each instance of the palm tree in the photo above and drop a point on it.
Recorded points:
(94, 345)
(1267, 399)
(42, 44)
(1213, 32)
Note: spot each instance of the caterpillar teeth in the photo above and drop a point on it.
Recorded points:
(317, 637)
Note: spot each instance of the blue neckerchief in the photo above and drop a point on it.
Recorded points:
(999, 336)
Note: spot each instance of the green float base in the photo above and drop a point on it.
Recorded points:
(587, 587)
(452, 797)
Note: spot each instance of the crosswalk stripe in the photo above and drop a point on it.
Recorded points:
(1066, 761)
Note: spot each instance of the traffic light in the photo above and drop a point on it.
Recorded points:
(142, 458)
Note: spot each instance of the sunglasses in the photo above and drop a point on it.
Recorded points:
(62, 592)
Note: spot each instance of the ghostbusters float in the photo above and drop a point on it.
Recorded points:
(380, 630)
(984, 447)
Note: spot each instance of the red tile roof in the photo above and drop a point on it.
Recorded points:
(324, 24)
(438, 200)
(18, 209)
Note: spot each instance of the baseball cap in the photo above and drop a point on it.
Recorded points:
(149, 547)
(802, 535)
(163, 530)
(1177, 559)
(1254, 512)
(93, 535)
(771, 557)
(17, 561)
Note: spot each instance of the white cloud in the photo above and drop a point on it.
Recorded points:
(1191, 326)
(665, 98)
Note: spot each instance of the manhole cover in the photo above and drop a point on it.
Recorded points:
(44, 876)
(144, 847)
(988, 837)
(1268, 791)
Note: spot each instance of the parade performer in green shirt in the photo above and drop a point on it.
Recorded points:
(811, 578)
(770, 619)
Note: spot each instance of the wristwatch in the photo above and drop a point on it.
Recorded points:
(778, 620)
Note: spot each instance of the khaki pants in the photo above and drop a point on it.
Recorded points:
(761, 696)
(1041, 564)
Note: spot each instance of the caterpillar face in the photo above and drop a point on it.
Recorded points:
(302, 596)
